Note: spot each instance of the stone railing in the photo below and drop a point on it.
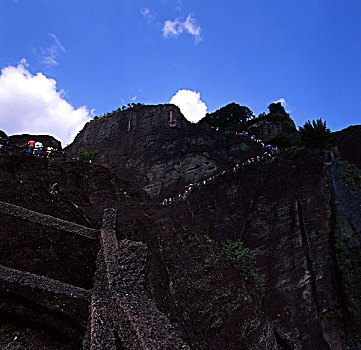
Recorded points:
(119, 309)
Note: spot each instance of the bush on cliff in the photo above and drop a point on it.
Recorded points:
(315, 134)
(115, 112)
(87, 156)
(281, 140)
(243, 259)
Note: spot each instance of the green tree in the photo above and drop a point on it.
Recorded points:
(243, 258)
(230, 117)
(281, 140)
(87, 156)
(315, 134)
(277, 108)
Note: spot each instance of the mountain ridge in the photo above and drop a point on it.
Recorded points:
(298, 211)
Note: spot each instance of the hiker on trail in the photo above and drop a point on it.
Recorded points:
(53, 152)
(48, 151)
(54, 189)
(2, 144)
(31, 145)
(38, 148)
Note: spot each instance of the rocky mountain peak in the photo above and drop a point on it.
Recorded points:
(159, 150)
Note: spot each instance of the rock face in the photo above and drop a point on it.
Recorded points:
(186, 274)
(347, 144)
(299, 212)
(264, 130)
(282, 209)
(345, 231)
(3, 135)
(141, 145)
(46, 140)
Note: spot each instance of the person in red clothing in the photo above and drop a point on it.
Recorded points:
(31, 145)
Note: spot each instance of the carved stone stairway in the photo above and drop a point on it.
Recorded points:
(114, 314)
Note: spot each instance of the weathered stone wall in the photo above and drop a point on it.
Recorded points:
(136, 319)
(30, 301)
(56, 254)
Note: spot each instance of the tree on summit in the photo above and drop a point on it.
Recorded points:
(315, 134)
(277, 108)
(230, 117)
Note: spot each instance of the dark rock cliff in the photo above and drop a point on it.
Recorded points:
(46, 140)
(300, 213)
(187, 275)
(156, 156)
(3, 134)
(348, 145)
(282, 210)
(280, 207)
(264, 129)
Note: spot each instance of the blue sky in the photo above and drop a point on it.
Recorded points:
(105, 53)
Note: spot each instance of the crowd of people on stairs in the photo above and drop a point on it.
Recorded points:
(269, 152)
(34, 148)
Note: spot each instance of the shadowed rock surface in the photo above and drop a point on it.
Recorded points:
(46, 140)
(158, 157)
(348, 146)
(296, 211)
(187, 276)
(264, 130)
(3, 135)
(281, 210)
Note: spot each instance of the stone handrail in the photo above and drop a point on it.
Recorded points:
(42, 283)
(47, 220)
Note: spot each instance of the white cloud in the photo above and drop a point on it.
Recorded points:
(50, 54)
(147, 14)
(134, 98)
(193, 28)
(190, 104)
(179, 5)
(283, 102)
(172, 28)
(176, 27)
(31, 104)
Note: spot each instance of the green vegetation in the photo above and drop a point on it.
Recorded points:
(120, 109)
(351, 176)
(234, 117)
(243, 259)
(315, 134)
(87, 156)
(276, 113)
(281, 140)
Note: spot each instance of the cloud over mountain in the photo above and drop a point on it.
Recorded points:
(31, 104)
(190, 104)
